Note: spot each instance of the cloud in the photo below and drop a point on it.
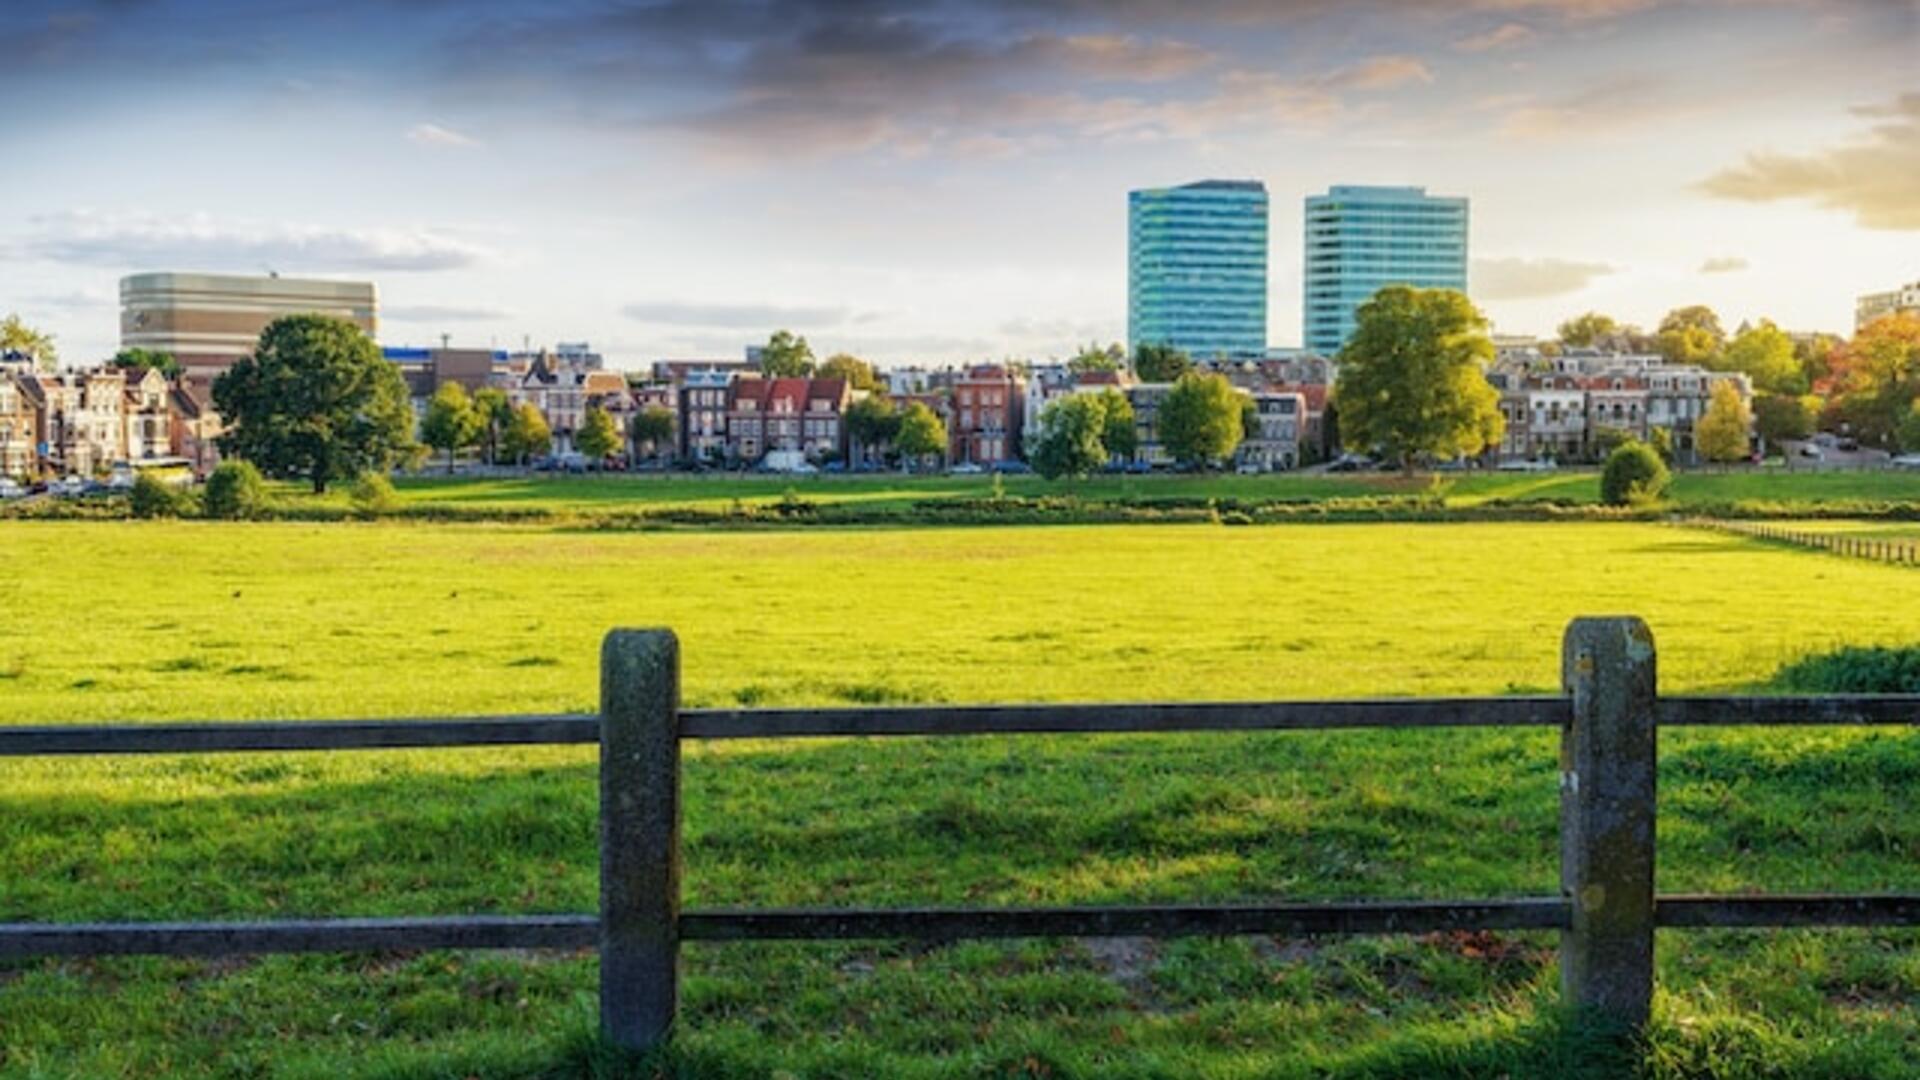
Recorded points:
(1622, 104)
(199, 241)
(1379, 73)
(1572, 9)
(1723, 264)
(435, 135)
(441, 313)
(1126, 56)
(1876, 178)
(1504, 36)
(1532, 279)
(736, 316)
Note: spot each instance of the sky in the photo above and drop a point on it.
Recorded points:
(943, 181)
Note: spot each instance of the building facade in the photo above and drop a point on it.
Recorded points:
(1197, 268)
(208, 321)
(1874, 306)
(988, 403)
(1361, 239)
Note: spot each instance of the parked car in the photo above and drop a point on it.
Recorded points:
(1848, 446)
(966, 468)
(1014, 468)
(1249, 468)
(9, 489)
(1906, 461)
(1352, 463)
(1812, 450)
(67, 487)
(1527, 465)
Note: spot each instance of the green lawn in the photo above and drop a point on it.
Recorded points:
(145, 621)
(603, 493)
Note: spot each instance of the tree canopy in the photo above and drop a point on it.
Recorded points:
(491, 405)
(147, 360)
(451, 422)
(1691, 335)
(1160, 363)
(1097, 357)
(526, 435)
(786, 356)
(17, 337)
(1876, 376)
(651, 427)
(1071, 437)
(598, 435)
(857, 372)
(316, 400)
(921, 432)
(1411, 378)
(1721, 435)
(1765, 354)
(1200, 419)
(1584, 331)
(872, 420)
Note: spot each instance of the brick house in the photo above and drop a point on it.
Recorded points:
(19, 429)
(988, 402)
(789, 416)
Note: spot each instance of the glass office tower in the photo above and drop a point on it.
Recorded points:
(1359, 239)
(1197, 268)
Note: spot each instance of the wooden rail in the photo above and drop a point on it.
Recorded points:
(1896, 552)
(1608, 715)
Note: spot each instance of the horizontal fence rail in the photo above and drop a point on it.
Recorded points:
(1897, 552)
(1608, 717)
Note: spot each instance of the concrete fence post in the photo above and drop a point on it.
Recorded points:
(639, 837)
(1608, 755)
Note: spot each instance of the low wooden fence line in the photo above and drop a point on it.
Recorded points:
(1609, 715)
(1897, 552)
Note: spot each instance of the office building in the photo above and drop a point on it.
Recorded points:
(207, 321)
(1197, 268)
(1874, 306)
(1360, 239)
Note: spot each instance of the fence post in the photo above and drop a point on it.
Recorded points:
(1607, 761)
(639, 837)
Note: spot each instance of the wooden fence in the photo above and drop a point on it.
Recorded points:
(1899, 552)
(1609, 716)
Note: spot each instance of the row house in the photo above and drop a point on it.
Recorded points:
(1560, 407)
(81, 422)
(1051, 382)
(988, 402)
(19, 430)
(803, 419)
(1275, 444)
(562, 391)
(1146, 399)
(702, 401)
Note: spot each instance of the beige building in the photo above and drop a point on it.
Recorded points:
(1874, 306)
(207, 321)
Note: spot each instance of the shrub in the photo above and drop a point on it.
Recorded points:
(373, 494)
(153, 497)
(1634, 475)
(235, 492)
(1854, 670)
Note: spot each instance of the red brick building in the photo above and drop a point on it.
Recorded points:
(984, 427)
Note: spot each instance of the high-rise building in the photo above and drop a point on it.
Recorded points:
(207, 321)
(1197, 268)
(1360, 239)
(1878, 305)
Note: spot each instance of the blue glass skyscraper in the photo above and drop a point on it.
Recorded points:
(1197, 268)
(1360, 239)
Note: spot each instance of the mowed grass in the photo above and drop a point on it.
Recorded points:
(587, 494)
(148, 621)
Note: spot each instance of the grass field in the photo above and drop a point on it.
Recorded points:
(141, 621)
(603, 493)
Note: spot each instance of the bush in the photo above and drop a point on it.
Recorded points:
(1854, 670)
(373, 494)
(153, 497)
(1634, 475)
(235, 492)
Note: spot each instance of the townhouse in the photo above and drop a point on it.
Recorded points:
(1564, 407)
(988, 402)
(1275, 443)
(798, 419)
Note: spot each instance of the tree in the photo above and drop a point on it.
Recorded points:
(1633, 474)
(491, 405)
(526, 434)
(147, 359)
(316, 400)
(1661, 441)
(1118, 435)
(651, 427)
(857, 372)
(1200, 419)
(1096, 357)
(872, 421)
(235, 492)
(1691, 335)
(1411, 378)
(598, 436)
(153, 497)
(1160, 363)
(1910, 430)
(450, 422)
(1778, 417)
(1877, 377)
(1584, 331)
(1072, 431)
(1721, 435)
(786, 356)
(372, 494)
(921, 432)
(17, 337)
(1765, 354)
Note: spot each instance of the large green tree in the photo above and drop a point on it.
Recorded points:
(1691, 335)
(1118, 435)
(598, 436)
(1721, 435)
(316, 400)
(872, 420)
(145, 360)
(1877, 377)
(1765, 354)
(1072, 437)
(921, 433)
(857, 372)
(786, 356)
(651, 427)
(1200, 419)
(1411, 380)
(494, 410)
(1585, 331)
(1160, 363)
(450, 423)
(1097, 357)
(1779, 417)
(526, 435)
(17, 337)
